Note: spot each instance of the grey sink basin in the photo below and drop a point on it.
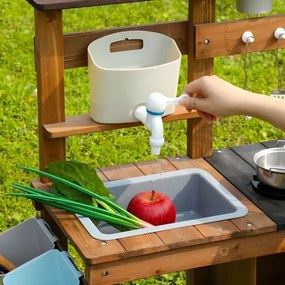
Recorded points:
(199, 198)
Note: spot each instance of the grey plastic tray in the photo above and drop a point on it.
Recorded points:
(199, 198)
(26, 241)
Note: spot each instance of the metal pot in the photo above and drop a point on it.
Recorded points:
(270, 167)
(254, 6)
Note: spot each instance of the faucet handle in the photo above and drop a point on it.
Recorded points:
(177, 100)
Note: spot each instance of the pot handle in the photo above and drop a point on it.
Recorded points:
(276, 169)
(281, 141)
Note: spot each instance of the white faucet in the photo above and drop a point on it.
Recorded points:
(151, 116)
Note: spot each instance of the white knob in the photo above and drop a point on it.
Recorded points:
(279, 33)
(247, 37)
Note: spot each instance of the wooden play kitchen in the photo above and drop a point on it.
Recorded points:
(244, 250)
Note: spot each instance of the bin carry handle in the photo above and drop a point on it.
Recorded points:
(68, 259)
(134, 40)
(46, 228)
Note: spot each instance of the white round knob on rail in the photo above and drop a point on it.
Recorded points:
(247, 37)
(279, 33)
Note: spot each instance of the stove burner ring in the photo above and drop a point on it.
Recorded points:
(268, 191)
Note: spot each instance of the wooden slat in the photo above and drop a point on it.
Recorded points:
(155, 166)
(217, 230)
(90, 249)
(233, 273)
(224, 38)
(121, 171)
(182, 237)
(188, 257)
(270, 269)
(83, 124)
(147, 243)
(46, 5)
(76, 44)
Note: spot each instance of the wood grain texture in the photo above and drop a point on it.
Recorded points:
(214, 243)
(50, 81)
(83, 124)
(199, 133)
(76, 44)
(224, 38)
(234, 273)
(219, 252)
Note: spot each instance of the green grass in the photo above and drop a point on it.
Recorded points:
(18, 107)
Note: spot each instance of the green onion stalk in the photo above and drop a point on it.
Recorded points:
(108, 211)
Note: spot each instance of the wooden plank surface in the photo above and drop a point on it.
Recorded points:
(224, 38)
(242, 272)
(76, 44)
(83, 124)
(182, 258)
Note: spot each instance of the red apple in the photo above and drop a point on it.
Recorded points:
(153, 207)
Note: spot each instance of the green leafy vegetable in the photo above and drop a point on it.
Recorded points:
(79, 173)
(108, 211)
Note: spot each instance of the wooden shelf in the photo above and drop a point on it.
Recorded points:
(46, 5)
(83, 124)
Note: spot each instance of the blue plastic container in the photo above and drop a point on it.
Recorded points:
(51, 268)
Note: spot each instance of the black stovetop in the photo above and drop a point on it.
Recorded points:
(237, 166)
(266, 190)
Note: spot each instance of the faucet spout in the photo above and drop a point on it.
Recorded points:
(154, 124)
(151, 116)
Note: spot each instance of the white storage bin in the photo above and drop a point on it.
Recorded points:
(120, 81)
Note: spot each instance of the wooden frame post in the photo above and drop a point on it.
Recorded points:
(49, 57)
(199, 133)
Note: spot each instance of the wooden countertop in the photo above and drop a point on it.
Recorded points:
(115, 261)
